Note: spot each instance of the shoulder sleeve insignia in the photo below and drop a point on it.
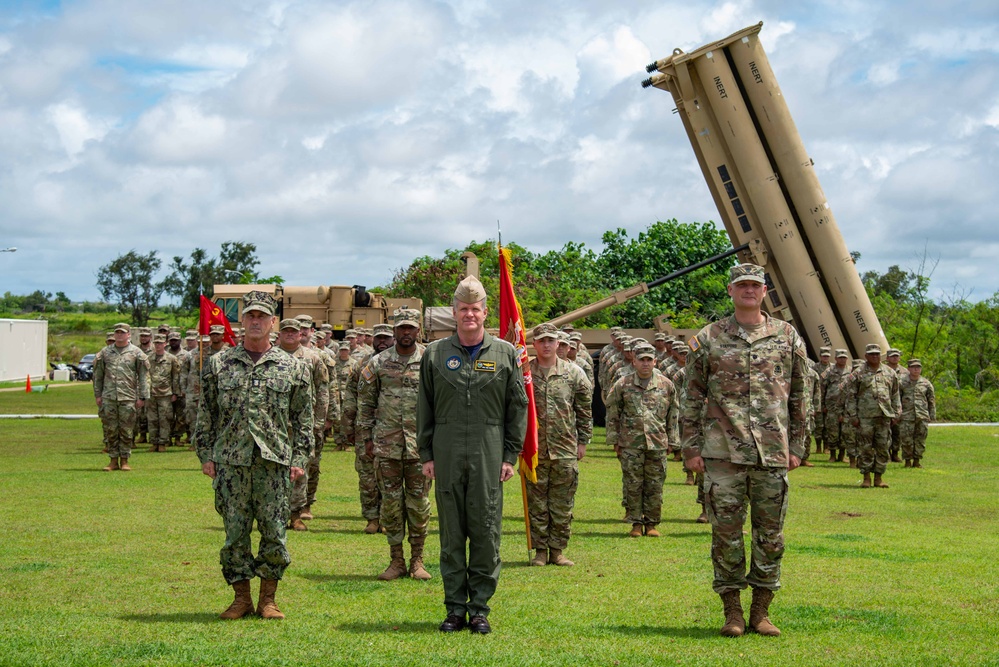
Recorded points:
(694, 344)
(367, 374)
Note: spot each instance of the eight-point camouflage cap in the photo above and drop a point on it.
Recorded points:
(841, 353)
(407, 317)
(545, 330)
(121, 326)
(915, 362)
(257, 300)
(872, 348)
(743, 272)
(893, 352)
(383, 330)
(290, 324)
(470, 290)
(216, 330)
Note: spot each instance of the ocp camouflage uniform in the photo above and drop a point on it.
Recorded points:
(333, 410)
(833, 382)
(343, 372)
(872, 398)
(387, 394)
(563, 400)
(367, 483)
(255, 423)
(164, 384)
(141, 414)
(919, 407)
(320, 382)
(195, 367)
(121, 377)
(586, 364)
(813, 409)
(745, 414)
(180, 425)
(642, 421)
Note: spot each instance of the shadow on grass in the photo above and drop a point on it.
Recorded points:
(405, 626)
(324, 578)
(203, 618)
(616, 521)
(838, 486)
(661, 631)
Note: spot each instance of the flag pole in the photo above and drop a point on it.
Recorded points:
(527, 516)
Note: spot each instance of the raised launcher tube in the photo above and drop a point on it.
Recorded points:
(765, 187)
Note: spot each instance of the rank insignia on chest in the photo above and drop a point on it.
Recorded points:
(453, 363)
(255, 383)
(486, 366)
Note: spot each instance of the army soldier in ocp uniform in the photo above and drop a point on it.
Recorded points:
(744, 427)
(254, 434)
(872, 402)
(562, 396)
(164, 381)
(121, 387)
(919, 408)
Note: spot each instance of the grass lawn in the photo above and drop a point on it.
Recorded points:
(122, 568)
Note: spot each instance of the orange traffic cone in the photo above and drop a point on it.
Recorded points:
(27, 387)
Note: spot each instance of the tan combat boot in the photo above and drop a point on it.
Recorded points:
(735, 623)
(853, 461)
(878, 482)
(372, 527)
(703, 518)
(555, 557)
(832, 456)
(651, 531)
(866, 484)
(397, 566)
(636, 530)
(123, 464)
(908, 463)
(416, 569)
(266, 606)
(307, 513)
(690, 479)
(916, 463)
(242, 604)
(758, 613)
(112, 466)
(296, 521)
(540, 557)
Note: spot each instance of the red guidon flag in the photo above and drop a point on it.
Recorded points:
(512, 330)
(212, 314)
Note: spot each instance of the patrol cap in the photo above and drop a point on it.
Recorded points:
(872, 348)
(545, 330)
(383, 330)
(743, 272)
(216, 329)
(173, 335)
(159, 338)
(306, 320)
(842, 354)
(121, 326)
(660, 336)
(407, 317)
(290, 324)
(258, 300)
(629, 344)
(825, 351)
(575, 336)
(470, 290)
(563, 338)
(206, 339)
(894, 352)
(350, 333)
(191, 332)
(326, 327)
(191, 336)
(680, 347)
(568, 328)
(344, 346)
(617, 328)
(317, 337)
(915, 362)
(644, 350)
(145, 331)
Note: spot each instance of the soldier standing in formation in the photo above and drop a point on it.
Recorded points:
(562, 396)
(642, 410)
(872, 402)
(893, 358)
(121, 388)
(386, 424)
(141, 432)
(744, 428)
(833, 382)
(345, 369)
(164, 381)
(178, 427)
(471, 420)
(919, 408)
(254, 434)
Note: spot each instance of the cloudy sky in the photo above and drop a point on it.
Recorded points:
(346, 138)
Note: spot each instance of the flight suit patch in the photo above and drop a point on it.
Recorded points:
(486, 366)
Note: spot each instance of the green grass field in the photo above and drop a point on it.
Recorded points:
(122, 568)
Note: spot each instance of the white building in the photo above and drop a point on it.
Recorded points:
(23, 349)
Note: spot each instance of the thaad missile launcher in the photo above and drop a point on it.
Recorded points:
(766, 190)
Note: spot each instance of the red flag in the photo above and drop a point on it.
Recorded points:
(212, 314)
(512, 329)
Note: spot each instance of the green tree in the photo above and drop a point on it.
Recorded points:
(236, 263)
(128, 281)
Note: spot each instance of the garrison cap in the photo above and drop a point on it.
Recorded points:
(383, 330)
(872, 348)
(407, 317)
(258, 300)
(216, 330)
(545, 331)
(643, 349)
(173, 335)
(159, 338)
(915, 362)
(470, 290)
(894, 352)
(841, 353)
(290, 324)
(747, 271)
(121, 326)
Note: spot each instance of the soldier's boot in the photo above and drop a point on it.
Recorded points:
(296, 521)
(866, 484)
(397, 566)
(807, 464)
(142, 439)
(703, 518)
(112, 466)
(735, 622)
(372, 527)
(123, 464)
(540, 558)
(651, 531)
(832, 455)
(842, 453)
(266, 606)
(306, 514)
(916, 463)
(759, 620)
(555, 557)
(416, 569)
(819, 446)
(690, 479)
(677, 455)
(908, 463)
(242, 605)
(636, 530)
(878, 482)
(894, 457)
(105, 450)
(853, 461)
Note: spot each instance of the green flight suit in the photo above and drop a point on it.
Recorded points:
(471, 417)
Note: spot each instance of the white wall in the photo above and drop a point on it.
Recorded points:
(23, 349)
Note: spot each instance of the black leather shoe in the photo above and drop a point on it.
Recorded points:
(479, 624)
(453, 623)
